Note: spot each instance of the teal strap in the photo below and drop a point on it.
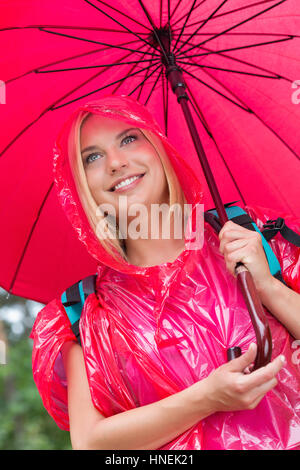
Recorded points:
(274, 266)
(74, 311)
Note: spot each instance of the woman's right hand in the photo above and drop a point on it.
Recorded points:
(231, 387)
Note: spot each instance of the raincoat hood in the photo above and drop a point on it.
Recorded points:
(134, 113)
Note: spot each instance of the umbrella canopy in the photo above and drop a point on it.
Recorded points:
(239, 61)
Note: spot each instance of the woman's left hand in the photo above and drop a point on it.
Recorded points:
(240, 244)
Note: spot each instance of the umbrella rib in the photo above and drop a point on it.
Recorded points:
(184, 25)
(154, 85)
(235, 59)
(216, 91)
(149, 77)
(199, 112)
(248, 46)
(227, 12)
(177, 5)
(255, 114)
(183, 16)
(236, 25)
(28, 238)
(120, 83)
(64, 60)
(90, 40)
(169, 22)
(209, 132)
(102, 88)
(276, 135)
(84, 28)
(96, 66)
(165, 103)
(120, 24)
(124, 14)
(275, 77)
(144, 80)
(203, 24)
(22, 132)
(53, 63)
(142, 85)
(167, 98)
(245, 34)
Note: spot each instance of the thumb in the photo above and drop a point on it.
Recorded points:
(240, 363)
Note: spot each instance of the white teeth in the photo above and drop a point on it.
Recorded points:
(126, 182)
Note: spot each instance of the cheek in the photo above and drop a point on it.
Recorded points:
(95, 184)
(160, 176)
(155, 165)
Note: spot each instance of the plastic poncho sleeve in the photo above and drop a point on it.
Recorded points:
(50, 331)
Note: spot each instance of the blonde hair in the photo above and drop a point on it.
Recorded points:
(111, 243)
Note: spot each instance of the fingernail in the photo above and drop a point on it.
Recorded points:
(282, 358)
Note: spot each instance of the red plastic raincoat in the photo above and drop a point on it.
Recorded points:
(149, 332)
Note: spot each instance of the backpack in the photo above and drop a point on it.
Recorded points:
(74, 297)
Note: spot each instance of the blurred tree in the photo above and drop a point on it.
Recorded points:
(25, 424)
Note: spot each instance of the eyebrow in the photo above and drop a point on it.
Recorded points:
(95, 147)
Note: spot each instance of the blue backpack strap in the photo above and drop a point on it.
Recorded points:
(239, 216)
(73, 300)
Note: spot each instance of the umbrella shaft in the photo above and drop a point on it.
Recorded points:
(174, 75)
(204, 163)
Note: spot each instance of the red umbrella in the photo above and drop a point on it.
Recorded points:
(238, 61)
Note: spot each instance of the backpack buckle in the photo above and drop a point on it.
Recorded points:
(276, 224)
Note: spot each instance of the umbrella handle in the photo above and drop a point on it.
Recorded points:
(258, 318)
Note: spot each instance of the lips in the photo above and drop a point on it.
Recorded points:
(112, 188)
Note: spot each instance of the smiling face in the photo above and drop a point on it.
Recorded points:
(113, 152)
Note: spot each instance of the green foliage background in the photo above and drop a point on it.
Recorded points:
(24, 424)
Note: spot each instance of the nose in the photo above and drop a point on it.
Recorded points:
(115, 161)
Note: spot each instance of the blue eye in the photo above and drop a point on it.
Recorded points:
(129, 137)
(91, 155)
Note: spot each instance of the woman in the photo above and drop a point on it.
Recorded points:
(152, 369)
